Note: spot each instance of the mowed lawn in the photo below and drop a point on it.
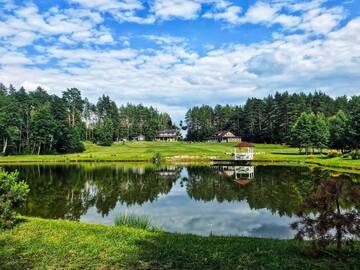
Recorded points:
(49, 244)
(183, 151)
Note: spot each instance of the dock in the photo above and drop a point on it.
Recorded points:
(230, 161)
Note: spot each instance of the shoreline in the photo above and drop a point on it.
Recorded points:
(182, 152)
(176, 160)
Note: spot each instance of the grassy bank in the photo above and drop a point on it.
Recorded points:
(182, 151)
(48, 244)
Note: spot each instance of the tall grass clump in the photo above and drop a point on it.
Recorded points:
(134, 221)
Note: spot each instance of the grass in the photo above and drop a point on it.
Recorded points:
(182, 152)
(134, 221)
(54, 244)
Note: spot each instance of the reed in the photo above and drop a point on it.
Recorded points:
(134, 221)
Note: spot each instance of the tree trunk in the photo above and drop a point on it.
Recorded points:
(27, 132)
(39, 148)
(20, 140)
(73, 119)
(33, 148)
(5, 145)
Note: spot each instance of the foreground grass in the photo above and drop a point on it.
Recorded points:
(48, 244)
(183, 151)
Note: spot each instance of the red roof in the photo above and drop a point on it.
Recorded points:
(244, 145)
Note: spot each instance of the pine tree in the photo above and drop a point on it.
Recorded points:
(339, 126)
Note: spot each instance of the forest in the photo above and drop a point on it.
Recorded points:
(35, 122)
(308, 121)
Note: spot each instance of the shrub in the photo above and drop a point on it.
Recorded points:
(156, 158)
(134, 221)
(12, 195)
(333, 154)
(355, 155)
(324, 221)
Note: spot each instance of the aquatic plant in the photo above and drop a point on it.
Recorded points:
(135, 221)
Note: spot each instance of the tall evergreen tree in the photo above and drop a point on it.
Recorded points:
(339, 125)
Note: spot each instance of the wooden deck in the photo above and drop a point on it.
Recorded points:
(230, 161)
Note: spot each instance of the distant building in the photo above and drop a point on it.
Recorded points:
(224, 136)
(138, 138)
(170, 135)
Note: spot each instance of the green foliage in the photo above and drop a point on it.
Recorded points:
(339, 125)
(301, 132)
(138, 119)
(320, 132)
(267, 120)
(355, 155)
(12, 195)
(104, 134)
(156, 158)
(332, 154)
(134, 221)
(70, 141)
(35, 122)
(310, 131)
(355, 122)
(44, 126)
(323, 221)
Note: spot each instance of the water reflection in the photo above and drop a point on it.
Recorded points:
(259, 201)
(241, 174)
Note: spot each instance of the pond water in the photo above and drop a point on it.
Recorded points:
(256, 201)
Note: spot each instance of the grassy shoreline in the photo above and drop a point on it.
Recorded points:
(174, 152)
(56, 244)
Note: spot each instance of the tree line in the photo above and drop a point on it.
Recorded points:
(35, 122)
(309, 121)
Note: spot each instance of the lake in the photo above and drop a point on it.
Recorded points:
(256, 201)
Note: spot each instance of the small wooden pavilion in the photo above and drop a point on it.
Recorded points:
(244, 151)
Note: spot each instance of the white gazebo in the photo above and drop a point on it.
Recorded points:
(246, 155)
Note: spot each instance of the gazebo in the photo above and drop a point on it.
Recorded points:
(244, 155)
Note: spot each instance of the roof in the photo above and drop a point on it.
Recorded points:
(167, 133)
(224, 134)
(244, 144)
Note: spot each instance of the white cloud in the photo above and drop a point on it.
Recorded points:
(225, 12)
(322, 21)
(183, 9)
(110, 4)
(260, 12)
(28, 25)
(312, 52)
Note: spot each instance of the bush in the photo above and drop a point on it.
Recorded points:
(156, 158)
(355, 155)
(12, 195)
(333, 154)
(134, 221)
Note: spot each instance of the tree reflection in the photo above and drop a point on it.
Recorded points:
(329, 214)
(279, 189)
(69, 191)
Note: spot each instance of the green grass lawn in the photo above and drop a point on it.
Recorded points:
(49, 244)
(182, 151)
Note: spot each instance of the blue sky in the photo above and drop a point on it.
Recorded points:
(174, 54)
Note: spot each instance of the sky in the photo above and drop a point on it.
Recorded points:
(175, 54)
